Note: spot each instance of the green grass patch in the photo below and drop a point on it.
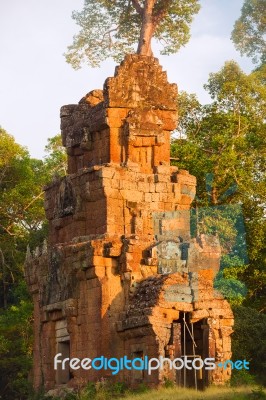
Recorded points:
(106, 392)
(217, 393)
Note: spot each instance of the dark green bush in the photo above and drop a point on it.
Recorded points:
(249, 340)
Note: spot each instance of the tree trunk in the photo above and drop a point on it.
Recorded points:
(214, 196)
(147, 29)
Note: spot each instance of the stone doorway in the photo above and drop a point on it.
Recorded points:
(63, 370)
(138, 375)
(62, 346)
(194, 344)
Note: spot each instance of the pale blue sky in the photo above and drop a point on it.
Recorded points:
(35, 80)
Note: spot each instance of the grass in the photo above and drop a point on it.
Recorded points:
(171, 393)
(217, 393)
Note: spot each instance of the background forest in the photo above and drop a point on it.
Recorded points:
(223, 144)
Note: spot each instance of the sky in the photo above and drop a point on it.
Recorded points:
(35, 80)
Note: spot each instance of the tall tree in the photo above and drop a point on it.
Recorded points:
(56, 159)
(22, 222)
(250, 29)
(111, 28)
(223, 144)
(22, 218)
(21, 209)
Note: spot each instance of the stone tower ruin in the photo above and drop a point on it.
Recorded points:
(121, 274)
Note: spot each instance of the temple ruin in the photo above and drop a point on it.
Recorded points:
(121, 274)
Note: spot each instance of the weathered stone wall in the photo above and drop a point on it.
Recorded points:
(129, 122)
(121, 272)
(116, 200)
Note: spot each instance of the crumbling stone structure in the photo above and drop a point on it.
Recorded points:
(121, 274)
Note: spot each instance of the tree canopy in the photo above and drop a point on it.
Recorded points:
(22, 222)
(112, 28)
(223, 145)
(250, 29)
(22, 218)
(21, 209)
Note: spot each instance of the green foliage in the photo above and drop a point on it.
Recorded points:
(40, 395)
(250, 29)
(15, 350)
(249, 341)
(168, 383)
(21, 210)
(56, 159)
(178, 393)
(255, 274)
(258, 394)
(141, 388)
(101, 390)
(231, 288)
(223, 145)
(112, 28)
(242, 378)
(21, 223)
(22, 219)
(90, 390)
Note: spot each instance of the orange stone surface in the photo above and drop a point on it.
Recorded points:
(120, 272)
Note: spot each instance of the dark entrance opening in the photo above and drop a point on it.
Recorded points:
(194, 345)
(63, 370)
(138, 375)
